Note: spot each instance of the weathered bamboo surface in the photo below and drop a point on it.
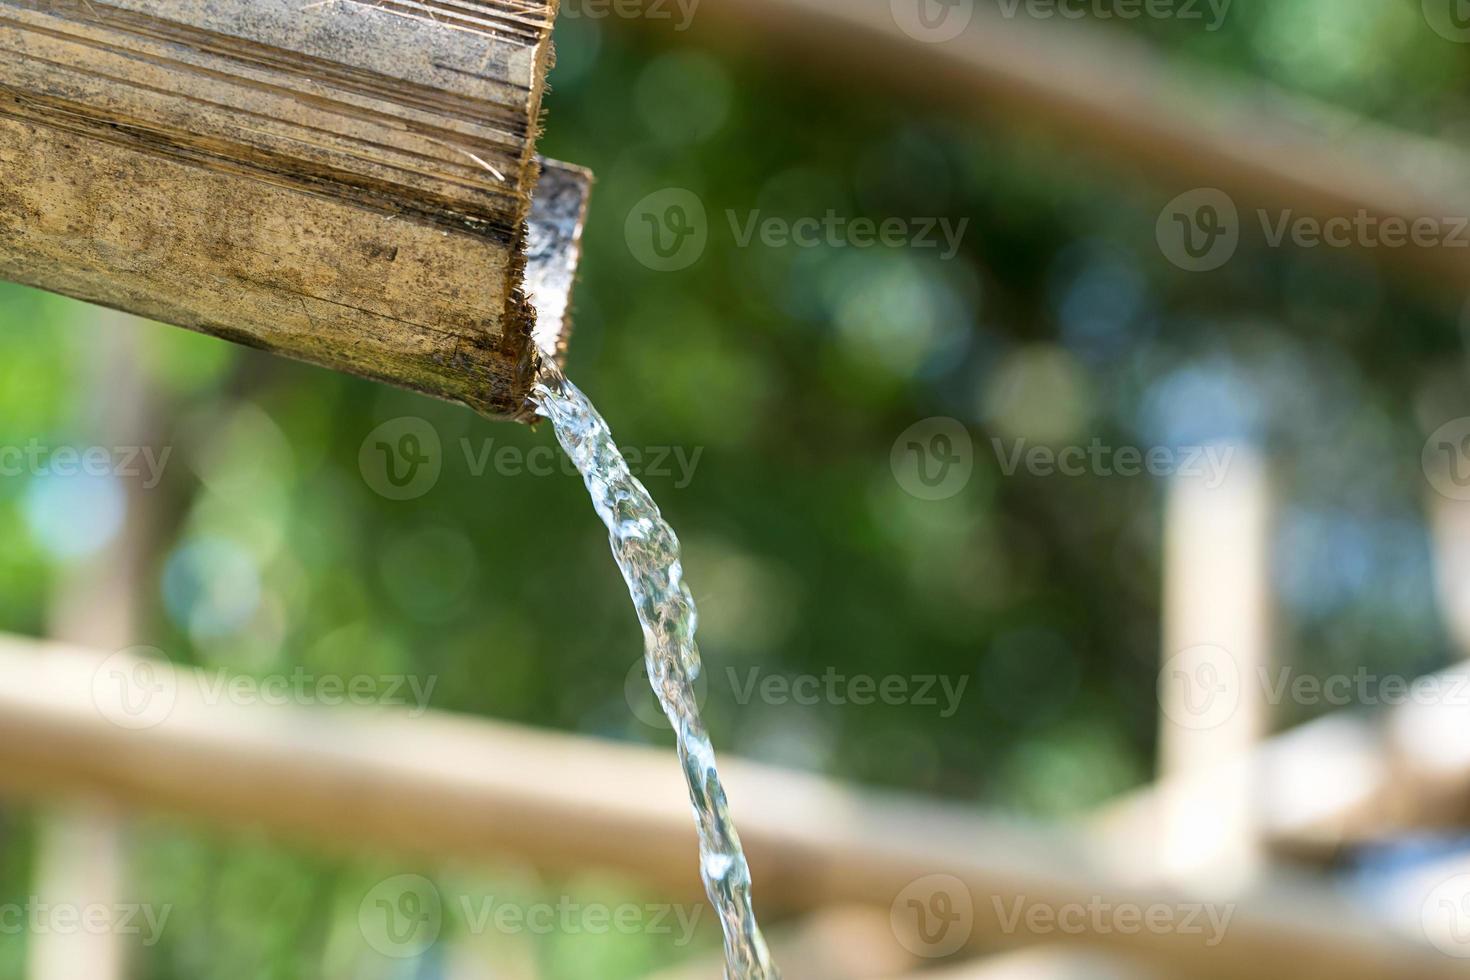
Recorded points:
(343, 182)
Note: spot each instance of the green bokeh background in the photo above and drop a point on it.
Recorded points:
(790, 372)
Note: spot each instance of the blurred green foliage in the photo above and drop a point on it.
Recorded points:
(791, 372)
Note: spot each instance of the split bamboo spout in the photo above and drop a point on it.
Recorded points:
(348, 183)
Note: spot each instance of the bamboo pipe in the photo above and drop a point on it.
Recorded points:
(344, 183)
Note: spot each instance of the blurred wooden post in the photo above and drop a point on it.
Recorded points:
(82, 857)
(80, 864)
(1212, 684)
(344, 183)
(1438, 731)
(1450, 524)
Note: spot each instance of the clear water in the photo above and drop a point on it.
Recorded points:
(647, 552)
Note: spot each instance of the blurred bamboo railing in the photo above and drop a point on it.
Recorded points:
(442, 785)
(856, 944)
(1045, 963)
(1102, 89)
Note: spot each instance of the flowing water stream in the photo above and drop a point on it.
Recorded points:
(647, 552)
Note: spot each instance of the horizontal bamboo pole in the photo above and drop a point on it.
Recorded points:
(1045, 963)
(1104, 90)
(150, 736)
(342, 182)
